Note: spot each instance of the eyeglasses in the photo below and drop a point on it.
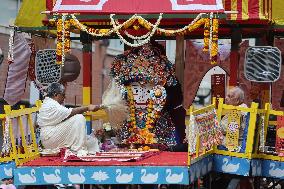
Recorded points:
(62, 94)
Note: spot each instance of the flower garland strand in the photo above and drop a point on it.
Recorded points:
(211, 26)
(63, 39)
(210, 35)
(148, 25)
(206, 35)
(11, 46)
(101, 32)
(59, 42)
(6, 146)
(154, 28)
(214, 43)
(192, 135)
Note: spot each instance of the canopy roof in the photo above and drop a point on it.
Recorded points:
(29, 14)
(138, 6)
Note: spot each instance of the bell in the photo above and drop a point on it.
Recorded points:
(71, 69)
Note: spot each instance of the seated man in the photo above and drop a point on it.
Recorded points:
(64, 127)
(234, 97)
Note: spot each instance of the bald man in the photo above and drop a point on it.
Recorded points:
(234, 97)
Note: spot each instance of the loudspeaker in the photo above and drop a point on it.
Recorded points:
(262, 64)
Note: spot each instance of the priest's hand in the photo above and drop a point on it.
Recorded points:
(94, 108)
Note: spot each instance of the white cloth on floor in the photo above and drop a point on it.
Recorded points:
(58, 132)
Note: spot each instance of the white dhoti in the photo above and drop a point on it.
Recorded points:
(58, 132)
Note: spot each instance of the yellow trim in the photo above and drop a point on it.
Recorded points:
(251, 129)
(245, 10)
(86, 95)
(100, 114)
(274, 123)
(88, 118)
(261, 13)
(234, 4)
(268, 157)
(203, 110)
(232, 154)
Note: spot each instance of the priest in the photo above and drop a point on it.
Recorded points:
(62, 127)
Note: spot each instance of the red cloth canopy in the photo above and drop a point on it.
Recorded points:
(138, 6)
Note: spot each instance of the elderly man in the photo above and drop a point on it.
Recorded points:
(234, 97)
(64, 127)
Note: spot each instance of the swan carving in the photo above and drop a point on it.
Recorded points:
(275, 172)
(77, 178)
(173, 178)
(229, 167)
(52, 178)
(149, 178)
(8, 172)
(26, 178)
(123, 178)
(100, 176)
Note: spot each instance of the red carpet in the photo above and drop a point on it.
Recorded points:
(161, 159)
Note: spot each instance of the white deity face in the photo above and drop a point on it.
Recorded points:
(141, 94)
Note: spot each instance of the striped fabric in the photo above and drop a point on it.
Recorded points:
(247, 9)
(17, 71)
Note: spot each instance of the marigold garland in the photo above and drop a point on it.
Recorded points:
(63, 40)
(206, 34)
(214, 45)
(144, 135)
(210, 32)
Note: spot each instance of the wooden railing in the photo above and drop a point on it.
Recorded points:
(260, 151)
(222, 110)
(21, 125)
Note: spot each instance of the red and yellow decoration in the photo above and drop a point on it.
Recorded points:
(279, 146)
(214, 42)
(144, 135)
(210, 32)
(63, 39)
(206, 34)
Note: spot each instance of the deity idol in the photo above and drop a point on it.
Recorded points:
(143, 74)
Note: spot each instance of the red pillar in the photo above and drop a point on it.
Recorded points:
(87, 75)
